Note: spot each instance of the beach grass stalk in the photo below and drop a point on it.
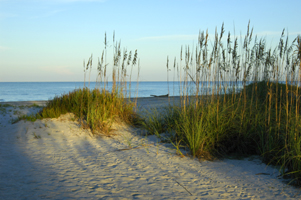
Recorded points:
(241, 99)
(98, 108)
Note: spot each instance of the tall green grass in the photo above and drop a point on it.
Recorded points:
(97, 109)
(262, 117)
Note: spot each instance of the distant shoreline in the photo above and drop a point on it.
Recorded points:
(44, 102)
(139, 99)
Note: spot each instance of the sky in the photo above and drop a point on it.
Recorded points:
(47, 40)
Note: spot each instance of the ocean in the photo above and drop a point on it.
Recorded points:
(36, 91)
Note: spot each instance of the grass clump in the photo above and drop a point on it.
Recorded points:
(252, 105)
(34, 105)
(5, 105)
(31, 118)
(35, 136)
(2, 110)
(96, 109)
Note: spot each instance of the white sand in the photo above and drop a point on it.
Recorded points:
(56, 159)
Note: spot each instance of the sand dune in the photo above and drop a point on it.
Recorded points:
(57, 159)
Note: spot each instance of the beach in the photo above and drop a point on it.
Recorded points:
(57, 159)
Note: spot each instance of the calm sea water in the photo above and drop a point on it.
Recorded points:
(30, 91)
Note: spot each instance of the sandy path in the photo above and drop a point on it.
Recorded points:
(56, 159)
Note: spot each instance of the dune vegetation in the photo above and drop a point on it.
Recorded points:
(98, 108)
(253, 106)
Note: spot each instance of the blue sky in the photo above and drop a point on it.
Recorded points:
(47, 40)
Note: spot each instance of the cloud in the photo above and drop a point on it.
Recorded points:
(170, 37)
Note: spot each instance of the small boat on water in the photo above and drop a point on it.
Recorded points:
(166, 95)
